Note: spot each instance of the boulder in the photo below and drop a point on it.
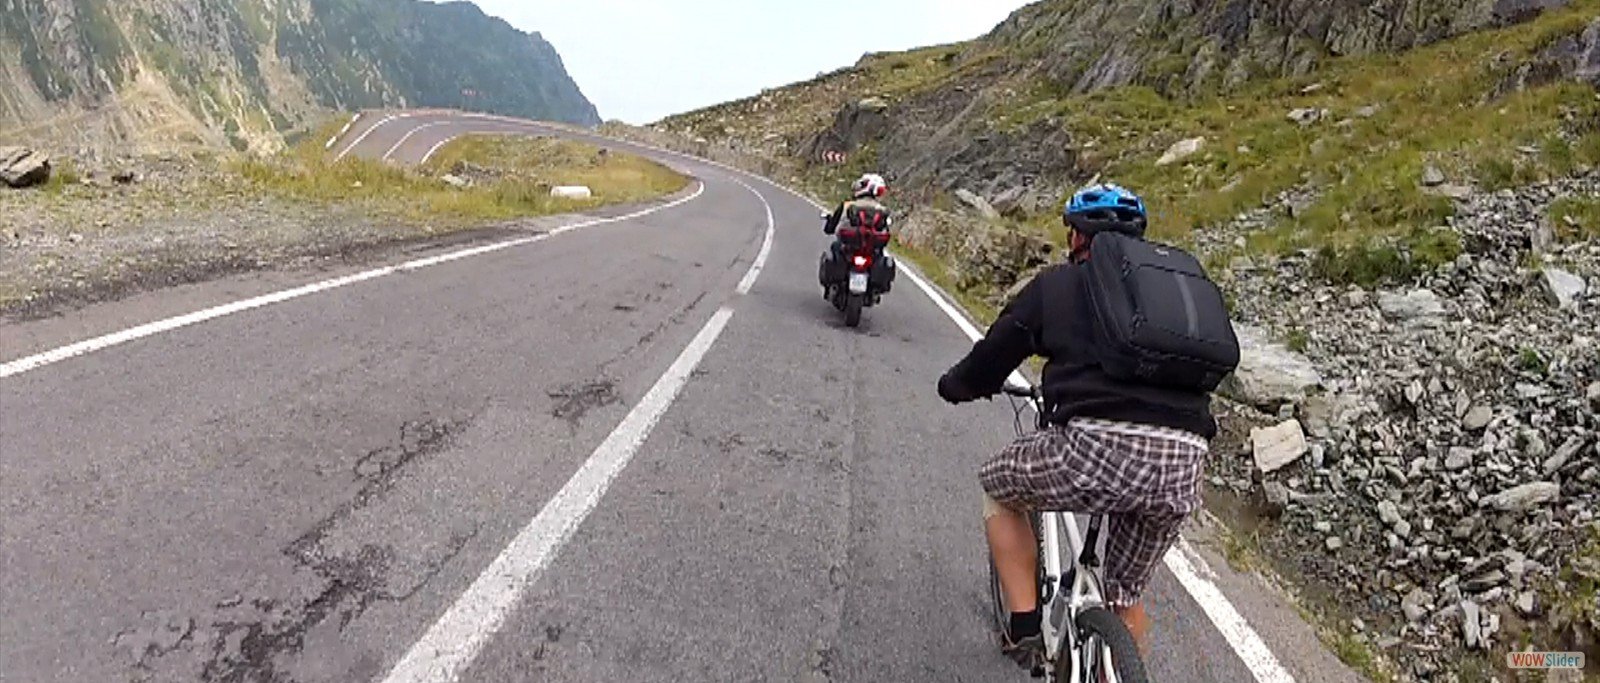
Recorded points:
(1432, 176)
(978, 204)
(1416, 306)
(1269, 374)
(1523, 498)
(1277, 446)
(22, 167)
(1563, 288)
(1181, 150)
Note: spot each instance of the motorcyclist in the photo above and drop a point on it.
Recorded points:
(863, 211)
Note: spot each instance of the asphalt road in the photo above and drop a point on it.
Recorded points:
(410, 471)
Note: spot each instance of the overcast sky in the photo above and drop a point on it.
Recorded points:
(640, 60)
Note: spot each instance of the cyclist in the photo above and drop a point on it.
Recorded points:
(862, 210)
(1134, 452)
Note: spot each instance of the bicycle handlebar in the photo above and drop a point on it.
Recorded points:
(1020, 391)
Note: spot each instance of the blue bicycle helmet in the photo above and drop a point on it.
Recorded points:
(1106, 208)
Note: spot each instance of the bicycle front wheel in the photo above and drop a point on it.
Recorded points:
(1102, 634)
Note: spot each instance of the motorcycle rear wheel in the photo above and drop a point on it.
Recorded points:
(852, 309)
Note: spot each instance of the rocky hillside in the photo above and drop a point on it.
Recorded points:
(246, 72)
(1402, 202)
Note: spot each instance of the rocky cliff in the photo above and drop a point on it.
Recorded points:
(1401, 200)
(246, 72)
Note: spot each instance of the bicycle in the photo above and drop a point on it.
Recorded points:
(1070, 590)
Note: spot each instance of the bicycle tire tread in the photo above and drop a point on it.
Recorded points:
(1125, 658)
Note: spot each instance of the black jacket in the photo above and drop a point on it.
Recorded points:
(1051, 318)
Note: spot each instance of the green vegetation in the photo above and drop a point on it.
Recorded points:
(1530, 360)
(1389, 116)
(518, 174)
(1576, 218)
(1357, 654)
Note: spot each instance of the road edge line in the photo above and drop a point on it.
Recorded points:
(105, 341)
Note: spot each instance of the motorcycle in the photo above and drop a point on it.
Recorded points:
(863, 277)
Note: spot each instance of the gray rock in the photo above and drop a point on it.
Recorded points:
(22, 167)
(1525, 603)
(1389, 512)
(1306, 117)
(1471, 627)
(1432, 176)
(1459, 458)
(1593, 394)
(1333, 543)
(1269, 374)
(1484, 582)
(1277, 496)
(1180, 150)
(1009, 202)
(1563, 289)
(1477, 418)
(1417, 305)
(1415, 605)
(456, 181)
(1322, 527)
(1523, 498)
(1355, 298)
(1277, 446)
(1454, 191)
(1563, 455)
(979, 204)
(1368, 111)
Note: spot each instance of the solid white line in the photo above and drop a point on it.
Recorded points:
(39, 360)
(1257, 657)
(450, 645)
(749, 280)
(1244, 640)
(342, 131)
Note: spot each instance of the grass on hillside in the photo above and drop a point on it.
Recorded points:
(1431, 106)
(1389, 117)
(526, 168)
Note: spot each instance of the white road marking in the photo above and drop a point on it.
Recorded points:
(39, 360)
(342, 131)
(1244, 640)
(455, 640)
(1191, 571)
(412, 133)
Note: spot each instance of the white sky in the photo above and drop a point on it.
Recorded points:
(641, 60)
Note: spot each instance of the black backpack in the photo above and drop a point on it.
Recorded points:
(1159, 320)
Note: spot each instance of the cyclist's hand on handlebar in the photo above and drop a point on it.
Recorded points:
(952, 391)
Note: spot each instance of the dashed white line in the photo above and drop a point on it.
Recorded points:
(454, 641)
(412, 133)
(57, 355)
(342, 131)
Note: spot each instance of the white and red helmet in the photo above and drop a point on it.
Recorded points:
(869, 185)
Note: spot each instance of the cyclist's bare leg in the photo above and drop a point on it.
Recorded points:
(1138, 623)
(1016, 558)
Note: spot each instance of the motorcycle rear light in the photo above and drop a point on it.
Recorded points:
(861, 260)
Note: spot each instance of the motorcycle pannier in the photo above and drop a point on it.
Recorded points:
(1159, 319)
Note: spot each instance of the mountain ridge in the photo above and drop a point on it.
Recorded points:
(248, 73)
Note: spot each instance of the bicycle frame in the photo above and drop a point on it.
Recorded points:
(1066, 590)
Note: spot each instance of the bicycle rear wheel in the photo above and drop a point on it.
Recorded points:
(1099, 631)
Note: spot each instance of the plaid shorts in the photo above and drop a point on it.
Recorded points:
(1145, 479)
